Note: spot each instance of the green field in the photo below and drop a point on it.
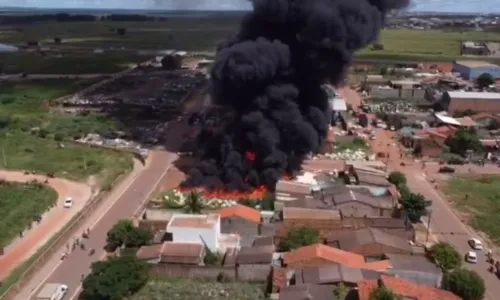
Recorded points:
(72, 63)
(482, 203)
(31, 135)
(19, 204)
(185, 289)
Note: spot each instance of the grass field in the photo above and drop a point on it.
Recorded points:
(483, 203)
(185, 289)
(72, 63)
(203, 34)
(24, 106)
(19, 204)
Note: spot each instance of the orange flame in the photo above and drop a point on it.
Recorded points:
(251, 156)
(256, 194)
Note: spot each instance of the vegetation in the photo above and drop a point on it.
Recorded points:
(464, 113)
(445, 256)
(73, 63)
(397, 178)
(267, 203)
(383, 293)
(30, 134)
(299, 237)
(465, 283)
(355, 144)
(446, 169)
(341, 291)
(186, 289)
(484, 80)
(193, 204)
(463, 140)
(19, 205)
(484, 211)
(115, 278)
(125, 233)
(414, 205)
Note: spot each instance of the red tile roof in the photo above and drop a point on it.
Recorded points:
(404, 288)
(241, 211)
(303, 255)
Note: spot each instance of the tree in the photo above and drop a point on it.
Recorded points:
(383, 293)
(465, 283)
(267, 203)
(341, 291)
(464, 139)
(171, 62)
(494, 125)
(298, 237)
(121, 31)
(446, 256)
(378, 47)
(383, 71)
(57, 40)
(193, 204)
(115, 279)
(397, 178)
(414, 205)
(125, 233)
(485, 80)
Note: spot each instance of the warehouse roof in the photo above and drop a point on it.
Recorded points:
(473, 95)
(476, 64)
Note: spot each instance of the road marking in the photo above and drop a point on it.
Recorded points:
(100, 217)
(79, 288)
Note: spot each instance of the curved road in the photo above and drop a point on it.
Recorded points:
(70, 270)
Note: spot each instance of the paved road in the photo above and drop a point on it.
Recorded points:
(445, 224)
(70, 270)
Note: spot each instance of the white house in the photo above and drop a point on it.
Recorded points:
(204, 229)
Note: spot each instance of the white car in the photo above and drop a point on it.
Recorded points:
(476, 244)
(471, 257)
(68, 203)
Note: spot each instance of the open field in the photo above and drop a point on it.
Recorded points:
(25, 106)
(71, 63)
(204, 33)
(19, 204)
(185, 289)
(482, 204)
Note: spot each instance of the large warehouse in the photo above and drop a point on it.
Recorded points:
(472, 69)
(476, 101)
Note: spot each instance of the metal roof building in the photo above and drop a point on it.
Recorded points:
(476, 101)
(472, 69)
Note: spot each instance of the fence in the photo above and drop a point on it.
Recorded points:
(58, 241)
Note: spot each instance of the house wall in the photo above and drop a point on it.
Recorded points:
(196, 235)
(361, 209)
(154, 226)
(376, 249)
(243, 226)
(478, 105)
(246, 273)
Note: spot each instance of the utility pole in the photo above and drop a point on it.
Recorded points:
(84, 162)
(3, 155)
(428, 227)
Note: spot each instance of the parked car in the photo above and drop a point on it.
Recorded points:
(471, 257)
(68, 203)
(475, 244)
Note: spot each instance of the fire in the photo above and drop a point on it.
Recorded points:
(251, 156)
(256, 194)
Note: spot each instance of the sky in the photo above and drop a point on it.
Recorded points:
(459, 6)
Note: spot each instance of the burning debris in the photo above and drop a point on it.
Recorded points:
(271, 75)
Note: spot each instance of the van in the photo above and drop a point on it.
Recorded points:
(52, 291)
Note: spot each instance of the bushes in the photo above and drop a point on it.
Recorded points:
(445, 256)
(446, 170)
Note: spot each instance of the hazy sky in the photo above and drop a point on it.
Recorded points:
(483, 6)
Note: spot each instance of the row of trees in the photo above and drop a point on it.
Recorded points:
(414, 205)
(65, 17)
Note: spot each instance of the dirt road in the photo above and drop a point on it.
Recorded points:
(52, 221)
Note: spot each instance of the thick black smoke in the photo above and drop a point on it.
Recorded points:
(270, 74)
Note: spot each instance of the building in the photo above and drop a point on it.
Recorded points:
(476, 101)
(320, 255)
(201, 229)
(173, 253)
(416, 268)
(333, 274)
(307, 291)
(404, 288)
(361, 204)
(242, 220)
(371, 242)
(471, 69)
(474, 48)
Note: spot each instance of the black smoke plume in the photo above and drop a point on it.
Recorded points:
(270, 75)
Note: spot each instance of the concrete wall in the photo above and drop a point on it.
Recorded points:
(385, 93)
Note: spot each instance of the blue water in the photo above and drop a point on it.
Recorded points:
(458, 6)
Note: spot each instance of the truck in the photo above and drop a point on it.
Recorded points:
(52, 291)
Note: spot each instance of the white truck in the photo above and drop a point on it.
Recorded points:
(52, 291)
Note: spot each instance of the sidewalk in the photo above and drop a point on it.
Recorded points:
(55, 261)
